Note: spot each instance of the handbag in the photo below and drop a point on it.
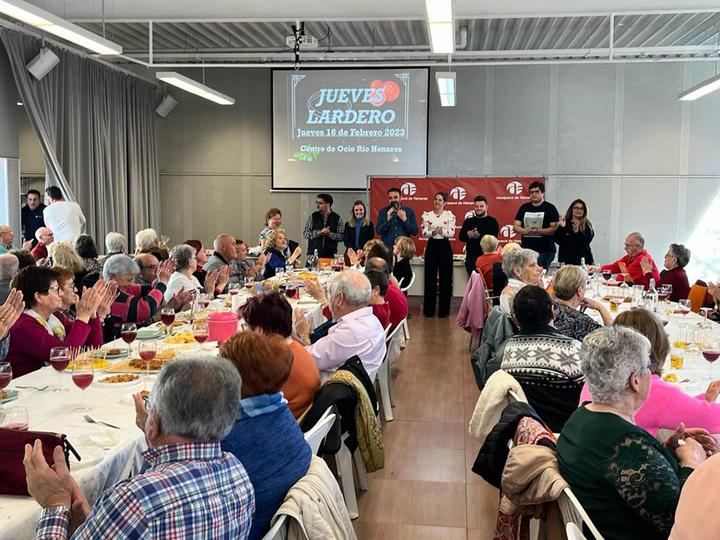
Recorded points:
(12, 452)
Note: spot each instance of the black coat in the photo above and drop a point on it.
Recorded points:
(367, 232)
(574, 246)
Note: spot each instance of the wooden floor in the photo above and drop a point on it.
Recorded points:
(427, 490)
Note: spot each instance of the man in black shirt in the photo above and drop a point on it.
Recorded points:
(474, 228)
(537, 222)
(32, 215)
(323, 228)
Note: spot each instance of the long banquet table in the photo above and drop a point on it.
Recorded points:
(109, 455)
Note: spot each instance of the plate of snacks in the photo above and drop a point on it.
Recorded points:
(120, 380)
(181, 337)
(8, 395)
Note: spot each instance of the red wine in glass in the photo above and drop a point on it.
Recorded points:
(60, 363)
(128, 336)
(607, 274)
(711, 355)
(82, 380)
(167, 318)
(200, 338)
(5, 379)
(291, 292)
(663, 295)
(147, 356)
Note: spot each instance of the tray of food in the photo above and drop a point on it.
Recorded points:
(136, 365)
(117, 381)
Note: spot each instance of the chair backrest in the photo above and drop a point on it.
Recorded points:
(278, 531)
(387, 330)
(697, 296)
(392, 342)
(319, 431)
(573, 512)
(573, 532)
(406, 287)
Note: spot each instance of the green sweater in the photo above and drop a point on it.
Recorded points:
(627, 481)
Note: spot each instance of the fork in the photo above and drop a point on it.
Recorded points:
(38, 388)
(92, 421)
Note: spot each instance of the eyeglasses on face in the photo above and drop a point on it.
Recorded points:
(578, 208)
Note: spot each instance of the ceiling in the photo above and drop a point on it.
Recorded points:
(226, 32)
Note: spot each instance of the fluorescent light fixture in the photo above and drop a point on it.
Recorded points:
(700, 90)
(43, 20)
(194, 87)
(446, 87)
(439, 10)
(20, 104)
(441, 25)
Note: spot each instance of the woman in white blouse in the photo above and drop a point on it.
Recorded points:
(182, 278)
(438, 226)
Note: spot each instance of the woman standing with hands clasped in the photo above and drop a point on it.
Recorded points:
(574, 235)
(438, 226)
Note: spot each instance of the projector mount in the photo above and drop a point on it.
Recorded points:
(300, 41)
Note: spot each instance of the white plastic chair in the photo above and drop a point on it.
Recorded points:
(573, 512)
(573, 533)
(384, 377)
(278, 531)
(316, 435)
(407, 287)
(387, 329)
(344, 461)
(404, 323)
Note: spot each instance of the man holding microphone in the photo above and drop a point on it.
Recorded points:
(395, 219)
(474, 228)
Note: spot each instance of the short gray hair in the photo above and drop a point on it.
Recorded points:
(182, 254)
(9, 265)
(119, 264)
(146, 239)
(639, 237)
(115, 243)
(517, 258)
(488, 243)
(354, 286)
(608, 357)
(567, 280)
(197, 398)
(681, 254)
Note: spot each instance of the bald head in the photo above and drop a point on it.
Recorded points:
(6, 235)
(224, 244)
(377, 263)
(9, 264)
(45, 236)
(634, 244)
(148, 264)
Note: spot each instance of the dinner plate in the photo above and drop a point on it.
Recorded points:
(150, 333)
(117, 385)
(12, 395)
(90, 455)
(122, 354)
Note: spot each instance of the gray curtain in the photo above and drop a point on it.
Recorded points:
(97, 131)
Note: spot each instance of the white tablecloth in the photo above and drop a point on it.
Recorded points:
(120, 449)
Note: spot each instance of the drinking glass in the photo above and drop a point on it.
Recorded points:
(233, 289)
(59, 360)
(167, 316)
(684, 306)
(5, 376)
(705, 313)
(128, 333)
(147, 351)
(82, 377)
(200, 331)
(164, 239)
(15, 418)
(665, 291)
(606, 274)
(682, 338)
(249, 283)
(677, 358)
(711, 352)
(203, 300)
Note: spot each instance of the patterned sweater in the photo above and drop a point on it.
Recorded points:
(547, 366)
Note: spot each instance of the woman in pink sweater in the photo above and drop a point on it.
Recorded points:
(42, 326)
(667, 405)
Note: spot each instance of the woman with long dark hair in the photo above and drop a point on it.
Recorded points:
(574, 235)
(438, 226)
(358, 229)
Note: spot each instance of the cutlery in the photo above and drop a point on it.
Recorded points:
(92, 421)
(38, 388)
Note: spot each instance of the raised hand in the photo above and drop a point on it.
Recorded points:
(180, 299)
(165, 270)
(10, 311)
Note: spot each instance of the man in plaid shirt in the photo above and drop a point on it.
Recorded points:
(192, 489)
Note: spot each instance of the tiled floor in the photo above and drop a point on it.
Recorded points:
(427, 490)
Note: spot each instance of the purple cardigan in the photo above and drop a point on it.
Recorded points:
(30, 343)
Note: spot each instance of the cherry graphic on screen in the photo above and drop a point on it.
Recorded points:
(378, 98)
(392, 90)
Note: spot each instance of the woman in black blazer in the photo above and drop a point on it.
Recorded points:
(358, 229)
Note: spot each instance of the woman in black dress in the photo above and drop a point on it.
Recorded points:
(574, 235)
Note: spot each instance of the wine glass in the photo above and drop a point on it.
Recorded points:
(167, 316)
(164, 239)
(249, 283)
(684, 306)
(147, 350)
(59, 360)
(15, 418)
(82, 377)
(200, 330)
(128, 333)
(706, 313)
(606, 274)
(665, 291)
(203, 300)
(233, 288)
(711, 352)
(5, 376)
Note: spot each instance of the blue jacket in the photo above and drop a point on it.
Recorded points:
(390, 230)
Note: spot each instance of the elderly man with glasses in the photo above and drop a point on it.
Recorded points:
(637, 267)
(323, 228)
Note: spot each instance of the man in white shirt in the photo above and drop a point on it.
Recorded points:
(357, 332)
(64, 218)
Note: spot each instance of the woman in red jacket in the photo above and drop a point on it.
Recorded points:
(42, 326)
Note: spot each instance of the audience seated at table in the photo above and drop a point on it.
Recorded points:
(148, 241)
(545, 362)
(224, 255)
(42, 326)
(24, 257)
(44, 237)
(244, 267)
(276, 245)
(626, 480)
(396, 299)
(201, 258)
(357, 332)
(676, 259)
(183, 278)
(403, 251)
(271, 313)
(148, 265)
(192, 489)
(266, 438)
(667, 404)
(8, 268)
(631, 267)
(87, 250)
(115, 244)
(521, 268)
(133, 303)
(569, 285)
(490, 256)
(64, 254)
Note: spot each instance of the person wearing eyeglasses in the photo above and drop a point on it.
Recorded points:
(323, 228)
(631, 267)
(537, 222)
(574, 234)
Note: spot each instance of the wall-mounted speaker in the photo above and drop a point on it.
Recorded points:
(43, 63)
(166, 105)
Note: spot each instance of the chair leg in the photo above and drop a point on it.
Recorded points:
(345, 471)
(383, 374)
(361, 471)
(406, 330)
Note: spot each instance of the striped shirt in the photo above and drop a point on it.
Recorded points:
(191, 490)
(136, 303)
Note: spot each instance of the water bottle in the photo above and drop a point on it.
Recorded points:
(653, 296)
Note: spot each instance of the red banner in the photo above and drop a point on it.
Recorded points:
(504, 195)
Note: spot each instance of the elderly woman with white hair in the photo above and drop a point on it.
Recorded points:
(133, 303)
(148, 241)
(569, 285)
(182, 279)
(627, 481)
(521, 268)
(9, 265)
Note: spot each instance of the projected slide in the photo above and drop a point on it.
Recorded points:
(333, 128)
